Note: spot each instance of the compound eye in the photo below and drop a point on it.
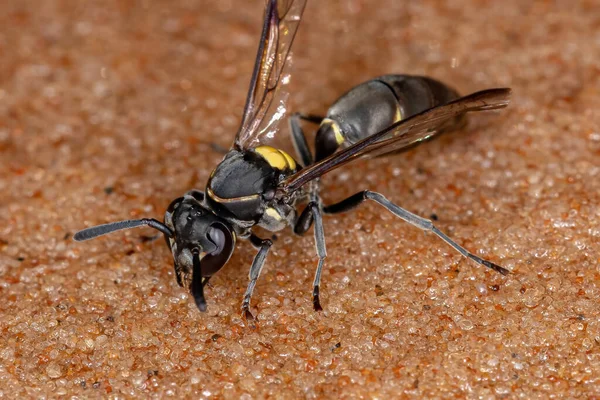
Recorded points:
(222, 237)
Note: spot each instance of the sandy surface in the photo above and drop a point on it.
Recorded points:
(107, 109)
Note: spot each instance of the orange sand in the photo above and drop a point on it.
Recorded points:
(128, 95)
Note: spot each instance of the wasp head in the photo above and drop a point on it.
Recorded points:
(201, 244)
(200, 241)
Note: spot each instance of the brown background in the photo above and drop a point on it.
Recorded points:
(107, 110)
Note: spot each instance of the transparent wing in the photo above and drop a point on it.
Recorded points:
(282, 18)
(402, 134)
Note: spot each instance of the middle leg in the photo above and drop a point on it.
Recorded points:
(415, 220)
(312, 213)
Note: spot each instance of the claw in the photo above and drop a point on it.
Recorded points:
(489, 264)
(246, 314)
(316, 301)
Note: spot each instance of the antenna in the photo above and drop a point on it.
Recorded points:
(99, 230)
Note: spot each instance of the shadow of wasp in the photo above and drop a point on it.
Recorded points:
(259, 185)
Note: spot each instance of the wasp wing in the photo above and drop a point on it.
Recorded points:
(282, 18)
(402, 134)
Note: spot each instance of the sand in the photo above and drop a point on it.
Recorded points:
(108, 111)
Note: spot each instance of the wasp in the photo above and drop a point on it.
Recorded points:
(259, 185)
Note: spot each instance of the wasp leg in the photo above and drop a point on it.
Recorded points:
(409, 217)
(304, 222)
(299, 138)
(257, 264)
(312, 213)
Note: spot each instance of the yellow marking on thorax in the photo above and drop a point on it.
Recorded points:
(339, 138)
(218, 199)
(398, 116)
(273, 213)
(276, 158)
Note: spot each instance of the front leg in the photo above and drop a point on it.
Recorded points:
(312, 213)
(257, 264)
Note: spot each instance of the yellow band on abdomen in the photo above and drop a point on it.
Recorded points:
(339, 138)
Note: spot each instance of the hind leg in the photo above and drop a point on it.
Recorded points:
(299, 138)
(415, 220)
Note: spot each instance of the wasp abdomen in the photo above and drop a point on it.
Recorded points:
(416, 94)
(375, 105)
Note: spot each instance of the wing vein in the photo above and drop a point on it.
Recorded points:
(281, 22)
(402, 134)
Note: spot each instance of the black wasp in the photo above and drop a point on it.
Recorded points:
(258, 185)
